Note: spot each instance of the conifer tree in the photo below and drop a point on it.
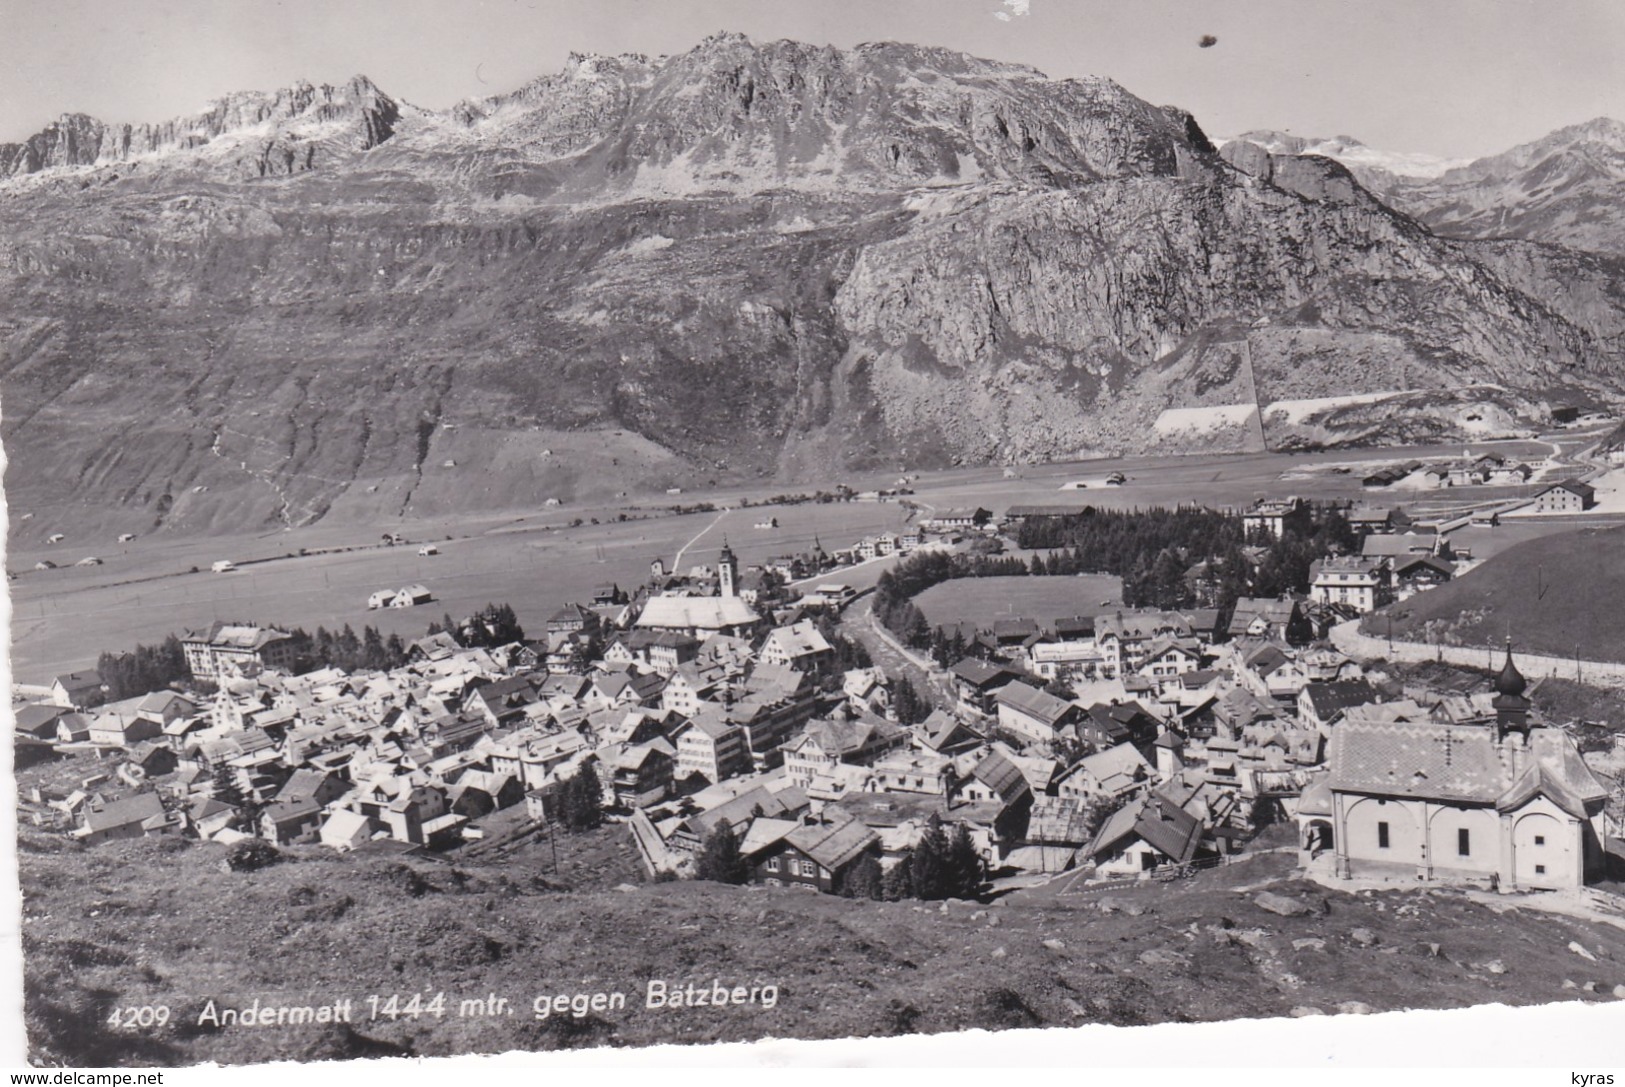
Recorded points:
(864, 879)
(898, 882)
(720, 860)
(930, 872)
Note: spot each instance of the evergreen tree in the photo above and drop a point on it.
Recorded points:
(907, 705)
(586, 806)
(864, 879)
(225, 787)
(720, 859)
(898, 882)
(373, 657)
(930, 863)
(394, 651)
(965, 867)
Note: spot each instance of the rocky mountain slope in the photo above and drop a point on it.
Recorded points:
(749, 260)
(1566, 187)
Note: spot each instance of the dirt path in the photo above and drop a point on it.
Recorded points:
(677, 560)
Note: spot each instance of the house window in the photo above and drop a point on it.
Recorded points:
(1382, 835)
(1540, 869)
(1540, 839)
(1463, 844)
(772, 864)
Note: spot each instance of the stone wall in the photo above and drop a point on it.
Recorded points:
(1348, 639)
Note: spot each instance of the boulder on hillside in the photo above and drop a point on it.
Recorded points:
(1284, 905)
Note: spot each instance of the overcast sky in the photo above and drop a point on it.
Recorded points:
(1452, 77)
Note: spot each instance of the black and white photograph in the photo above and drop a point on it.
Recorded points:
(539, 526)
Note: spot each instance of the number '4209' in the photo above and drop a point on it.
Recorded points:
(147, 1015)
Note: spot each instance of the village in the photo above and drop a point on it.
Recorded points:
(733, 725)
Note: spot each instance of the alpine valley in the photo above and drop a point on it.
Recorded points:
(751, 261)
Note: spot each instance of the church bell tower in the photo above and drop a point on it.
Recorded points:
(1511, 707)
(727, 571)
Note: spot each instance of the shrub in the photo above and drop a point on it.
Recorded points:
(251, 855)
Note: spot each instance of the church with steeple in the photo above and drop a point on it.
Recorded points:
(1504, 801)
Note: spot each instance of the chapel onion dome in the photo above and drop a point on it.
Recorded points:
(1510, 681)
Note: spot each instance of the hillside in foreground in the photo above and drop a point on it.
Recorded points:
(148, 922)
(1559, 595)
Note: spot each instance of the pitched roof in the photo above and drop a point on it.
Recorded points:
(1055, 819)
(1456, 762)
(1116, 767)
(696, 613)
(235, 636)
(1584, 490)
(833, 847)
(1169, 828)
(1033, 702)
(981, 674)
(1330, 699)
(74, 682)
(135, 808)
(1003, 777)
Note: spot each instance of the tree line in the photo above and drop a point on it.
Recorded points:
(155, 667)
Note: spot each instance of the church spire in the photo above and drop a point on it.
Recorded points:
(1510, 681)
(1511, 707)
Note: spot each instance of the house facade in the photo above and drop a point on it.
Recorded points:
(1508, 804)
(226, 648)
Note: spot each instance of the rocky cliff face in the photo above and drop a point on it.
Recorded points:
(1567, 187)
(245, 135)
(745, 261)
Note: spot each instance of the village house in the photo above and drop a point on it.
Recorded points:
(135, 816)
(1281, 620)
(572, 619)
(292, 821)
(825, 744)
(1107, 774)
(1144, 835)
(38, 719)
(644, 774)
(816, 856)
(1067, 661)
(1105, 725)
(1033, 714)
(957, 519)
(78, 690)
(1125, 637)
(344, 830)
(1322, 705)
(1354, 580)
(709, 746)
(801, 646)
(1418, 573)
(977, 683)
(905, 770)
(1271, 516)
(1167, 659)
(1569, 496)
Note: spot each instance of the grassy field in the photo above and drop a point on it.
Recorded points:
(62, 619)
(976, 603)
(161, 923)
(1555, 594)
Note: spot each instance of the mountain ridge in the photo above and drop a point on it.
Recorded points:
(746, 261)
(1567, 186)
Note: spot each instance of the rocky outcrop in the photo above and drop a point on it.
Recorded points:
(280, 132)
(1566, 187)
